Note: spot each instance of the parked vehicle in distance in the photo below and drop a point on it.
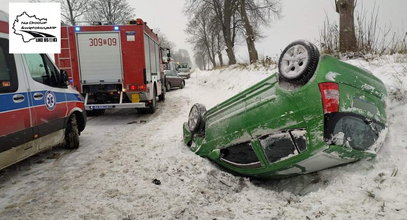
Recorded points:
(172, 79)
(114, 66)
(184, 70)
(38, 110)
(316, 113)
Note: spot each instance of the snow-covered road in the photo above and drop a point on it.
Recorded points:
(111, 176)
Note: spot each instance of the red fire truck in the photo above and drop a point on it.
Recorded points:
(114, 66)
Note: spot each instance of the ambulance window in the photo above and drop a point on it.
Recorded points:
(41, 69)
(8, 73)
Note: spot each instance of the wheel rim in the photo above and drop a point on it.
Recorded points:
(294, 61)
(193, 118)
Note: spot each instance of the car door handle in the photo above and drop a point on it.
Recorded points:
(18, 98)
(38, 96)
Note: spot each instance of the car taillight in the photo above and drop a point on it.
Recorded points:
(330, 96)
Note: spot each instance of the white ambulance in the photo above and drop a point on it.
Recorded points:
(38, 110)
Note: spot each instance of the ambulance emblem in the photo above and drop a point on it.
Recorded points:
(50, 100)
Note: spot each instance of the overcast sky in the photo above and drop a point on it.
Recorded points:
(301, 19)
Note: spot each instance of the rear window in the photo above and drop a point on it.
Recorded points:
(351, 130)
(240, 155)
(278, 146)
(8, 74)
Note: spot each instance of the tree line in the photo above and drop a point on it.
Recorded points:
(215, 26)
(105, 11)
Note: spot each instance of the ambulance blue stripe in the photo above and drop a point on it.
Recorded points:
(7, 103)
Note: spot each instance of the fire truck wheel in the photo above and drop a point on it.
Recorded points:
(153, 105)
(162, 96)
(72, 133)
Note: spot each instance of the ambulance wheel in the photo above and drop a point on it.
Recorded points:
(72, 133)
(168, 87)
(182, 84)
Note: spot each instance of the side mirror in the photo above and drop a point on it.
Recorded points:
(64, 78)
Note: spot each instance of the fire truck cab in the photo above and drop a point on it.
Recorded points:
(114, 66)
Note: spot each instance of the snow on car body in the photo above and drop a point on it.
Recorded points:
(114, 66)
(318, 112)
(38, 109)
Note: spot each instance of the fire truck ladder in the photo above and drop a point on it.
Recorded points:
(67, 39)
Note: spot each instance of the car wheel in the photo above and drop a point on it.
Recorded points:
(168, 86)
(298, 62)
(182, 84)
(196, 121)
(72, 133)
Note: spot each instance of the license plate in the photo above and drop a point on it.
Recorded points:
(364, 105)
(100, 107)
(135, 98)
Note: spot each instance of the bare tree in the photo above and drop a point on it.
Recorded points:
(255, 13)
(71, 10)
(164, 42)
(202, 33)
(182, 56)
(224, 13)
(347, 37)
(110, 11)
(225, 10)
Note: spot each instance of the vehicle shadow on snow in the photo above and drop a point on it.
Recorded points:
(298, 185)
(32, 166)
(302, 185)
(123, 116)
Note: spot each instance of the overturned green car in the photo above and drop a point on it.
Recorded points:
(316, 113)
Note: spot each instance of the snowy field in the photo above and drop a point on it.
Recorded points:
(111, 175)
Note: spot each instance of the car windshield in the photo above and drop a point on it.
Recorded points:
(355, 132)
